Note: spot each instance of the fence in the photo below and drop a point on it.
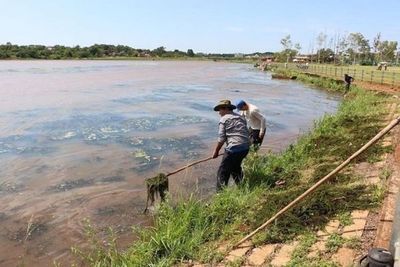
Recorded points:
(367, 74)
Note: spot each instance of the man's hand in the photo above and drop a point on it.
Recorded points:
(216, 150)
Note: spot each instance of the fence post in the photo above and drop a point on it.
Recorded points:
(335, 72)
(383, 74)
(354, 73)
(372, 75)
(362, 75)
(341, 71)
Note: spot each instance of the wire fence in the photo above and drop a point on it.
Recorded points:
(382, 76)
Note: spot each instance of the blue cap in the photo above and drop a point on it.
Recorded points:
(240, 104)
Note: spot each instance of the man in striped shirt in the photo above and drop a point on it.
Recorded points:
(232, 131)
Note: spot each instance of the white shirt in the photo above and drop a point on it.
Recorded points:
(254, 118)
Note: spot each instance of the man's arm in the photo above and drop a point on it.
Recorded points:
(217, 149)
(221, 139)
(263, 121)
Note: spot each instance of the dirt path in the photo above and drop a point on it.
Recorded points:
(378, 87)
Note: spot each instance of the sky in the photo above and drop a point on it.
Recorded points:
(208, 26)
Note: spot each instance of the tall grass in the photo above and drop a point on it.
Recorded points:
(193, 229)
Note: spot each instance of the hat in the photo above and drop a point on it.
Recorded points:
(240, 104)
(224, 104)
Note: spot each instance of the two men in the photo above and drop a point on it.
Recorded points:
(232, 131)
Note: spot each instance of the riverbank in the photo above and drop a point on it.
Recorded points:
(192, 230)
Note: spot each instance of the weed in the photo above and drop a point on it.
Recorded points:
(385, 174)
(236, 263)
(345, 219)
(378, 193)
(299, 255)
(334, 242)
(353, 243)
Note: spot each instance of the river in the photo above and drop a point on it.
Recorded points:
(78, 138)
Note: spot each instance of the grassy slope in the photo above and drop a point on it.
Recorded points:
(193, 229)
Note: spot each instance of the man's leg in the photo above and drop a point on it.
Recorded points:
(224, 171)
(237, 172)
(261, 139)
(256, 139)
(251, 136)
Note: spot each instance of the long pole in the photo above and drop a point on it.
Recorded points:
(191, 164)
(315, 186)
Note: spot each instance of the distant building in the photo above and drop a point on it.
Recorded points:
(256, 56)
(302, 59)
(144, 54)
(268, 59)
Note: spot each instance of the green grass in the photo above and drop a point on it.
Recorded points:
(300, 254)
(345, 219)
(192, 229)
(334, 242)
(391, 76)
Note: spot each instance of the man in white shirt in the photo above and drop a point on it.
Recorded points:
(255, 120)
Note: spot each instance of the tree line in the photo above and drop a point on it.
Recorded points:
(353, 48)
(13, 51)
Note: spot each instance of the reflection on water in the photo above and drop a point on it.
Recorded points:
(78, 138)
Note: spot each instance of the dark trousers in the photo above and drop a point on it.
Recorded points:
(230, 165)
(347, 87)
(255, 137)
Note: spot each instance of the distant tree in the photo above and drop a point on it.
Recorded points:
(343, 46)
(84, 53)
(288, 51)
(190, 53)
(4, 52)
(359, 47)
(286, 42)
(326, 55)
(387, 50)
(321, 39)
(159, 51)
(9, 50)
(375, 44)
(96, 50)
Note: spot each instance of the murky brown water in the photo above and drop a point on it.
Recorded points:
(78, 138)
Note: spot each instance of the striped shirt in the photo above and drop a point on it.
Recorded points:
(233, 131)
